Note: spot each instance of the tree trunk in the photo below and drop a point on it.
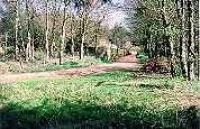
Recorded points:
(167, 39)
(156, 48)
(53, 30)
(32, 50)
(183, 40)
(180, 12)
(6, 39)
(72, 35)
(109, 51)
(164, 24)
(46, 31)
(96, 38)
(82, 46)
(17, 30)
(199, 45)
(63, 34)
(191, 55)
(172, 56)
(82, 27)
(28, 47)
(28, 52)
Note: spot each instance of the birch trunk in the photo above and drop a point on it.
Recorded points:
(172, 56)
(184, 35)
(82, 25)
(191, 45)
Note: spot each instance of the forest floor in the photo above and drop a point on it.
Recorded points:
(93, 69)
(110, 100)
(95, 96)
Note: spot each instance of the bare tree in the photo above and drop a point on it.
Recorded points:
(61, 46)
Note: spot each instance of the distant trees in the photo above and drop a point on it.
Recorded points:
(118, 37)
(48, 26)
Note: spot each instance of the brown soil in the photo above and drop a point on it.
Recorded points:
(93, 69)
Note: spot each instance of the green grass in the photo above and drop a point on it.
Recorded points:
(113, 100)
(38, 66)
(33, 67)
(54, 67)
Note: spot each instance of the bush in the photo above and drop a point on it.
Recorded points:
(104, 59)
(8, 54)
(158, 65)
(39, 55)
(177, 69)
(142, 58)
(3, 68)
(88, 60)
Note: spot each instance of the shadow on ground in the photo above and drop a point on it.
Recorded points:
(87, 115)
(156, 86)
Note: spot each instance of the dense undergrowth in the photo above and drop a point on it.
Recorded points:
(116, 100)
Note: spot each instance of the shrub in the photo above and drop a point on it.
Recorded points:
(158, 65)
(8, 54)
(142, 58)
(39, 55)
(150, 66)
(3, 68)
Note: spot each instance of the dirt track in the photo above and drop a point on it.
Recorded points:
(93, 69)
